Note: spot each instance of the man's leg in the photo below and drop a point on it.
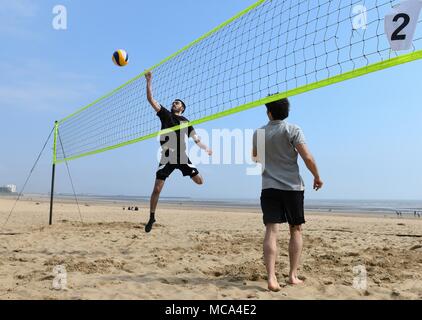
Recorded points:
(190, 170)
(155, 196)
(270, 255)
(295, 252)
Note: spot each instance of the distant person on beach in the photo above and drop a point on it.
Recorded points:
(282, 198)
(173, 145)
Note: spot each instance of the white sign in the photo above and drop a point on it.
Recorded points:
(400, 25)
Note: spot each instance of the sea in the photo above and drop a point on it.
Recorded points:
(408, 207)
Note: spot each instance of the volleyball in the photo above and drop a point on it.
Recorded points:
(120, 58)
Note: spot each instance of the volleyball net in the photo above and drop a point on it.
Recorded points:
(271, 50)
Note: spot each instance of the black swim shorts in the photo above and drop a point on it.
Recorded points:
(279, 206)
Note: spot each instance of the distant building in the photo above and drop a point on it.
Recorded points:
(10, 188)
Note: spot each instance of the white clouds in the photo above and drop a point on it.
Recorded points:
(16, 17)
(38, 96)
(35, 86)
(18, 8)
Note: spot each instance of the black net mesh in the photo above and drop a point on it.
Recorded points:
(277, 46)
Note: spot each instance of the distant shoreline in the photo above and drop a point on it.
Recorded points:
(364, 207)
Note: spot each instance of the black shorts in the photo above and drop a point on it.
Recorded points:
(165, 170)
(281, 206)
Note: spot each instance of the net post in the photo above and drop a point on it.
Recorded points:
(56, 127)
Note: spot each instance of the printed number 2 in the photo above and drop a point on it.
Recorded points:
(406, 21)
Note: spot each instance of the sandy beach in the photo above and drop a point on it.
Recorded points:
(200, 253)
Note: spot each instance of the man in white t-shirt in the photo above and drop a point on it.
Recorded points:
(282, 198)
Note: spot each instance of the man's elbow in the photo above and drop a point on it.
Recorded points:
(195, 138)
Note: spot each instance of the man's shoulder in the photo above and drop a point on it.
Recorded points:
(293, 126)
(296, 134)
(163, 110)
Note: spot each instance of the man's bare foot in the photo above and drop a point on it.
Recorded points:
(275, 288)
(273, 285)
(294, 281)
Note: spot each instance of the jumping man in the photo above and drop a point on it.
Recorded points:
(173, 145)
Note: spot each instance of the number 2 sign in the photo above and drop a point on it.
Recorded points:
(400, 25)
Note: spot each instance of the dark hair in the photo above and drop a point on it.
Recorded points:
(183, 104)
(279, 109)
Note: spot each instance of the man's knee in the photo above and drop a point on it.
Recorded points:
(198, 179)
(272, 228)
(295, 229)
(157, 189)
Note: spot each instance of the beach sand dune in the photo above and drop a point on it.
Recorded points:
(200, 253)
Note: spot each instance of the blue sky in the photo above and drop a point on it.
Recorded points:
(365, 133)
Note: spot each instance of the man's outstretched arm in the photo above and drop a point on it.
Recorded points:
(310, 164)
(150, 97)
(198, 142)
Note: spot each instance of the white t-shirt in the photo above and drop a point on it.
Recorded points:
(280, 161)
